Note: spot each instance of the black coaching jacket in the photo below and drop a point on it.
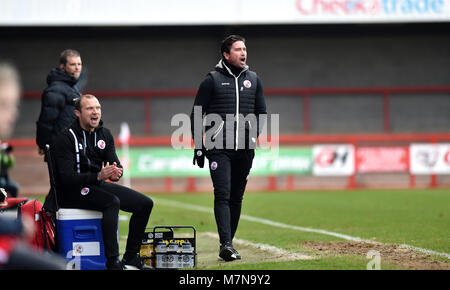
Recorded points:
(233, 92)
(79, 155)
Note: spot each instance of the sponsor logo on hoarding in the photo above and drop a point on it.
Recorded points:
(369, 7)
(345, 7)
(382, 159)
(427, 157)
(162, 162)
(328, 156)
(430, 158)
(333, 160)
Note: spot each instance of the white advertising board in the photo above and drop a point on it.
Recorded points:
(334, 159)
(211, 12)
(430, 158)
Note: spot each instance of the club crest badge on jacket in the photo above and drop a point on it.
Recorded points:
(101, 144)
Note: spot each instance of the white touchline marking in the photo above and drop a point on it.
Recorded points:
(292, 227)
(265, 247)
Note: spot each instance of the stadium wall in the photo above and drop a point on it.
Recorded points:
(285, 56)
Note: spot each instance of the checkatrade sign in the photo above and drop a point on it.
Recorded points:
(374, 10)
(213, 12)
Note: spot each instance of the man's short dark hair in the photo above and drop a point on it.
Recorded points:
(227, 43)
(66, 53)
(79, 99)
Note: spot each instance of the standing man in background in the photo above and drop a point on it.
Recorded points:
(57, 107)
(230, 90)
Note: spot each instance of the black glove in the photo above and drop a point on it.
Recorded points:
(199, 156)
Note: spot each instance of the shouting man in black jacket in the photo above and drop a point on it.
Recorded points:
(232, 96)
(85, 157)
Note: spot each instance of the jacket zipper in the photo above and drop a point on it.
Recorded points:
(85, 148)
(237, 104)
(237, 111)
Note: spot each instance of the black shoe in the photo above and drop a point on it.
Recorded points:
(227, 253)
(114, 264)
(238, 256)
(132, 261)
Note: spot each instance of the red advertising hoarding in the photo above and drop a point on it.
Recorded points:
(382, 159)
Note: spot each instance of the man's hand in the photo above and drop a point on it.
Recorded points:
(41, 151)
(117, 173)
(199, 157)
(110, 171)
(106, 172)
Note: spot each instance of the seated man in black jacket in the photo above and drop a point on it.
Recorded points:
(85, 157)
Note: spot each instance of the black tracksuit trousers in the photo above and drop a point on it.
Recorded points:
(109, 198)
(229, 170)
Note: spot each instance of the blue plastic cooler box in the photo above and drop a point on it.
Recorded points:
(80, 239)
